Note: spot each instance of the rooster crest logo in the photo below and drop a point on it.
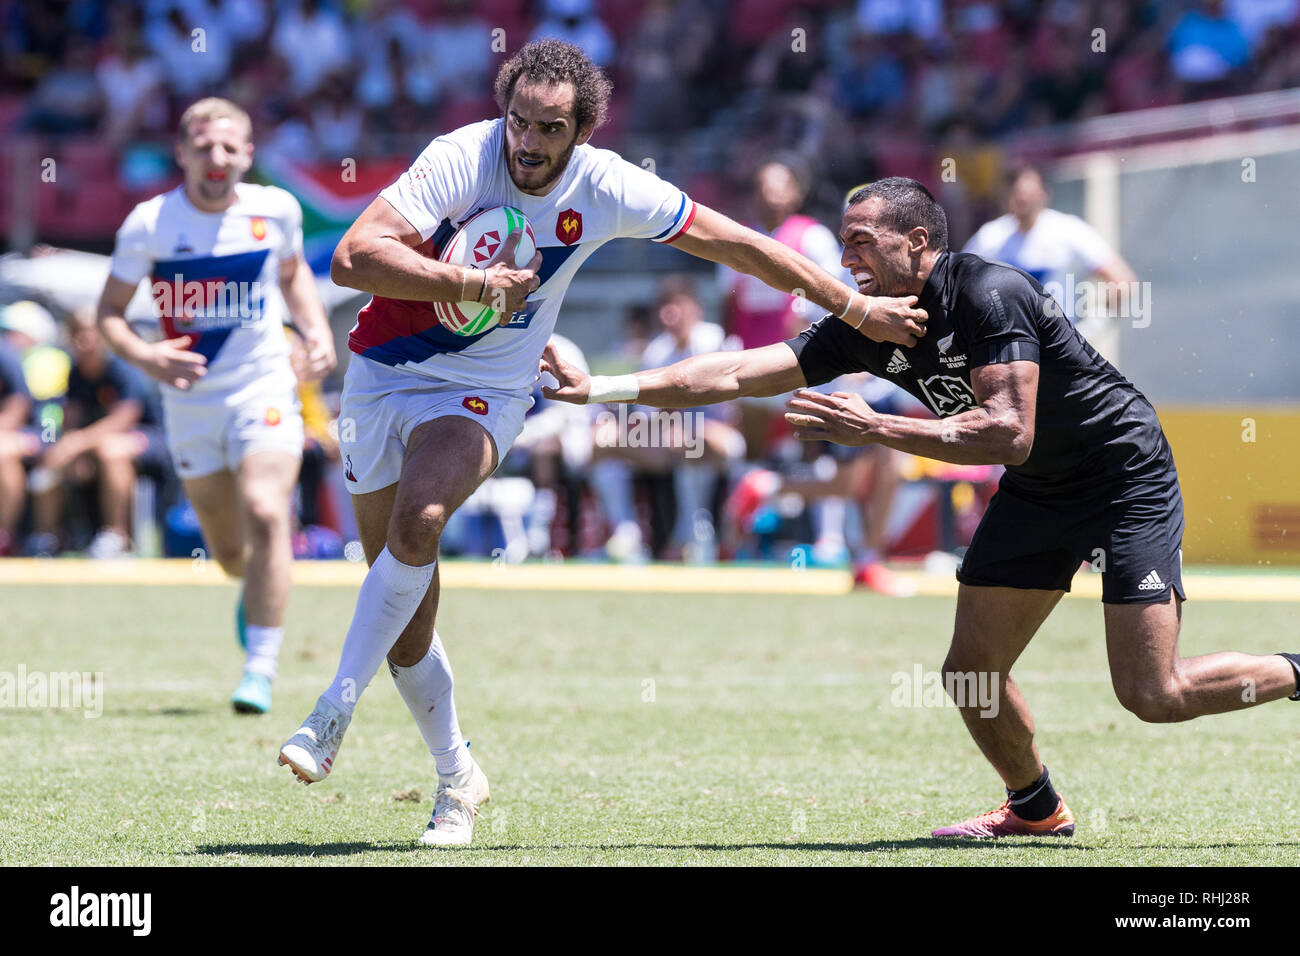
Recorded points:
(568, 226)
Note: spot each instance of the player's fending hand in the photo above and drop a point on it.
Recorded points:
(574, 383)
(505, 286)
(320, 358)
(891, 319)
(172, 363)
(843, 417)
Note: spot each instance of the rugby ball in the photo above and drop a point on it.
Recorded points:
(474, 245)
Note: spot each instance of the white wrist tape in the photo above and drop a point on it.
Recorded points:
(866, 311)
(849, 307)
(613, 388)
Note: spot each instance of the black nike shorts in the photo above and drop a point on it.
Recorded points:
(1132, 532)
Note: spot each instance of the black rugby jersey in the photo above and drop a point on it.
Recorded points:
(1092, 425)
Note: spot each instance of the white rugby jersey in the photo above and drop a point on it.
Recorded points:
(599, 197)
(1055, 244)
(215, 277)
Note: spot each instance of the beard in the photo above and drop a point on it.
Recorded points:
(551, 174)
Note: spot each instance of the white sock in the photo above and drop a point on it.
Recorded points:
(388, 600)
(263, 649)
(426, 687)
(828, 519)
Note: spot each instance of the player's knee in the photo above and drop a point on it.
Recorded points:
(266, 515)
(960, 661)
(1153, 701)
(414, 532)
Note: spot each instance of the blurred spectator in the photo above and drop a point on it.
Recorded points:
(457, 54)
(245, 20)
(134, 90)
(1044, 242)
(575, 21)
(15, 414)
(553, 450)
(337, 122)
(111, 422)
(30, 332)
(636, 334)
(872, 80)
(1255, 18)
(1069, 84)
(1051, 246)
(759, 315)
(314, 40)
(696, 447)
(67, 99)
(889, 18)
(663, 59)
(1205, 46)
(33, 36)
(195, 57)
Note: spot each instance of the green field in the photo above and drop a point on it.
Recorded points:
(617, 729)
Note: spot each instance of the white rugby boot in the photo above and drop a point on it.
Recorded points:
(454, 810)
(310, 752)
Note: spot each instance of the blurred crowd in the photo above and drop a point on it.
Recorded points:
(707, 84)
(841, 91)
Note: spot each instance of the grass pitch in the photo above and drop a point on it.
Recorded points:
(617, 729)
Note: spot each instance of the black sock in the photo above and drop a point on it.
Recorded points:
(1038, 801)
(1295, 665)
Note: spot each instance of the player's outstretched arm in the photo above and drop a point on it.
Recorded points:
(170, 362)
(378, 255)
(717, 238)
(308, 313)
(998, 432)
(699, 380)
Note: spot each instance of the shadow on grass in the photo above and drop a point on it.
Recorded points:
(874, 846)
(351, 849)
(80, 712)
(307, 850)
(301, 849)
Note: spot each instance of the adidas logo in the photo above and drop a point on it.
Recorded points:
(898, 363)
(1151, 582)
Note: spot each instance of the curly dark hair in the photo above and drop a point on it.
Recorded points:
(554, 61)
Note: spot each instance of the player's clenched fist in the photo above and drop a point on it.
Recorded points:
(574, 385)
(172, 363)
(506, 287)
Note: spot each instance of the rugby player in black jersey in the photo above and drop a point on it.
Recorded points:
(1089, 477)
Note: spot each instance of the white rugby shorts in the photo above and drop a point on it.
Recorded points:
(381, 406)
(211, 433)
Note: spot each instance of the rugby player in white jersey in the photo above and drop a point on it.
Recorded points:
(214, 250)
(427, 415)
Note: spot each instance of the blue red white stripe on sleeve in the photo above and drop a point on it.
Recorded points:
(682, 222)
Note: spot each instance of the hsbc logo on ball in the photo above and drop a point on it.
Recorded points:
(487, 246)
